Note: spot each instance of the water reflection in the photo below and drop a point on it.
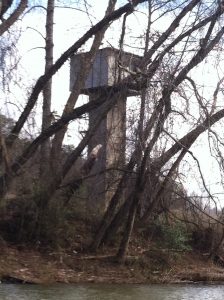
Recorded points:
(111, 292)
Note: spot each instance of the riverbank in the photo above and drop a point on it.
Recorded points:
(22, 265)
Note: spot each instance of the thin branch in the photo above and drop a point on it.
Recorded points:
(215, 94)
(34, 29)
(198, 208)
(33, 7)
(197, 162)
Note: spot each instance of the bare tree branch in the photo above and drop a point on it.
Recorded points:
(14, 17)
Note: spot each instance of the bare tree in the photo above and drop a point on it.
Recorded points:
(47, 115)
(165, 79)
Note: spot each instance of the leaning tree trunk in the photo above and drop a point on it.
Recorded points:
(4, 6)
(162, 190)
(86, 65)
(121, 255)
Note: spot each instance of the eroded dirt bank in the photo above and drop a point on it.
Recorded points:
(24, 265)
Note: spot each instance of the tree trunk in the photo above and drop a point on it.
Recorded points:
(127, 232)
(85, 68)
(111, 210)
(111, 217)
(46, 112)
(118, 219)
(160, 193)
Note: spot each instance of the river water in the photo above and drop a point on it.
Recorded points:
(111, 292)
